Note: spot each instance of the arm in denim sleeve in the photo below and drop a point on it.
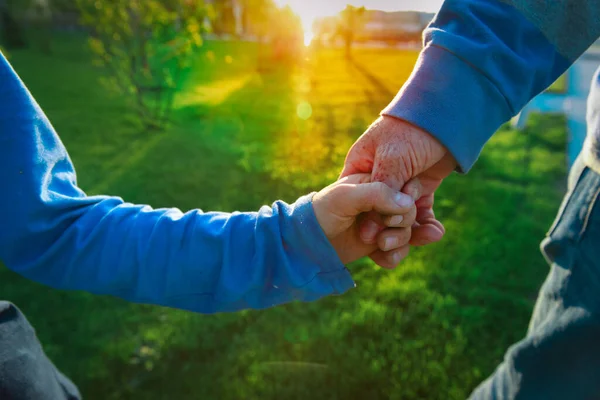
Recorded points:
(484, 60)
(51, 232)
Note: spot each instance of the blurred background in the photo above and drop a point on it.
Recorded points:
(229, 105)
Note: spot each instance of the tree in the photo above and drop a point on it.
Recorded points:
(41, 17)
(257, 15)
(12, 33)
(351, 20)
(278, 30)
(145, 45)
(287, 34)
(224, 22)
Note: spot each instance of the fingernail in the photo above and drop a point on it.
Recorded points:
(396, 220)
(370, 230)
(404, 200)
(390, 243)
(396, 258)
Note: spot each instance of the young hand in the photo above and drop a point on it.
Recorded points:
(340, 207)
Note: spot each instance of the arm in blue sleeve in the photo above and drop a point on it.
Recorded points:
(484, 60)
(51, 232)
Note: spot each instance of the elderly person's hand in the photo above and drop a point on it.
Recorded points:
(394, 151)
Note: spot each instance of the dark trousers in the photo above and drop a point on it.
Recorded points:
(560, 356)
(25, 371)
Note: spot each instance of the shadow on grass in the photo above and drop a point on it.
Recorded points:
(379, 87)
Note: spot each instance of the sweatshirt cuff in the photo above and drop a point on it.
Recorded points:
(452, 101)
(312, 241)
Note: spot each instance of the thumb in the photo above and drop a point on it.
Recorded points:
(379, 197)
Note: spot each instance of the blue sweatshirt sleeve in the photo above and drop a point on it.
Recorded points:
(484, 60)
(51, 232)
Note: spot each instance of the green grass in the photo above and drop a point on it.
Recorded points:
(434, 328)
(560, 85)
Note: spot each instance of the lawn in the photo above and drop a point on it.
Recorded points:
(433, 328)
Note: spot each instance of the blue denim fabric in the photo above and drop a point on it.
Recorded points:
(560, 356)
(25, 371)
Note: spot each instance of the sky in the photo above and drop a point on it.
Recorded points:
(308, 10)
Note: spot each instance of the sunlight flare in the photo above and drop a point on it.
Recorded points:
(311, 10)
(304, 110)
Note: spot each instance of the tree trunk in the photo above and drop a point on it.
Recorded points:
(348, 42)
(12, 33)
(43, 26)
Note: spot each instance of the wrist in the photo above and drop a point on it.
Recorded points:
(457, 104)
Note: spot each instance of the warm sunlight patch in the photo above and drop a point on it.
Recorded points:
(214, 93)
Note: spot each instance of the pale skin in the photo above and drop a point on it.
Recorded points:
(340, 207)
(393, 151)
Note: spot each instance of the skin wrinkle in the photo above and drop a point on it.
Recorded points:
(389, 161)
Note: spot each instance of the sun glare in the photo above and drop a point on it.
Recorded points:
(308, 37)
(310, 10)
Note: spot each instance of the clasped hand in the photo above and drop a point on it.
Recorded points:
(383, 202)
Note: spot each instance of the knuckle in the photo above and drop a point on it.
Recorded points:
(340, 191)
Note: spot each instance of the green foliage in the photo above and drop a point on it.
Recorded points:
(64, 5)
(432, 329)
(257, 17)
(224, 21)
(145, 45)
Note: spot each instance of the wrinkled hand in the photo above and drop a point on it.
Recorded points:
(338, 209)
(394, 151)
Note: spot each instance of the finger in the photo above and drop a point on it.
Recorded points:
(413, 188)
(401, 221)
(350, 169)
(377, 196)
(390, 171)
(425, 234)
(360, 157)
(427, 229)
(390, 260)
(369, 227)
(354, 179)
(427, 216)
(392, 239)
(426, 201)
